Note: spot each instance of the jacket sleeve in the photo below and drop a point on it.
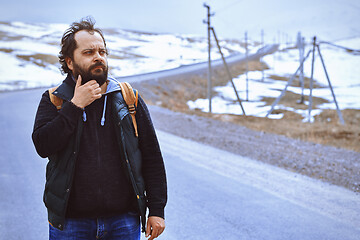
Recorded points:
(53, 128)
(153, 165)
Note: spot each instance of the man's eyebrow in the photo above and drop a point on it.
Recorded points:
(87, 49)
(92, 49)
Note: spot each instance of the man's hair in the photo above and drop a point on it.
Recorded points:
(68, 43)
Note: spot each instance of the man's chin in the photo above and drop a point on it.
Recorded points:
(100, 79)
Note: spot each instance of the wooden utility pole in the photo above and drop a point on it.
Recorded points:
(311, 79)
(209, 83)
(315, 47)
(277, 100)
(341, 119)
(247, 66)
(228, 71)
(261, 58)
(301, 46)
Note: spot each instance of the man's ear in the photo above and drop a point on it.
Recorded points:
(69, 63)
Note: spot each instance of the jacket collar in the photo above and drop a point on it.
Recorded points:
(66, 89)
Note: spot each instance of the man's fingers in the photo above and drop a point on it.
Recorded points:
(78, 81)
(161, 230)
(97, 96)
(87, 93)
(154, 227)
(96, 90)
(93, 87)
(154, 234)
(92, 83)
(148, 229)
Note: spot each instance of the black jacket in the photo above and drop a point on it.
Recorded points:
(57, 136)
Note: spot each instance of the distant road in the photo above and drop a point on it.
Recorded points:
(213, 194)
(237, 58)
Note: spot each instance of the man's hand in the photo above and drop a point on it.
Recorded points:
(85, 94)
(154, 227)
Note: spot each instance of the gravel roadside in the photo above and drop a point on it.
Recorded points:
(334, 165)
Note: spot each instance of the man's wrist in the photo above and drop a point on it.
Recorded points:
(156, 212)
(76, 104)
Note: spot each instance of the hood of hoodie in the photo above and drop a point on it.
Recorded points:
(112, 85)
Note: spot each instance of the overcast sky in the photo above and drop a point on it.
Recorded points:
(333, 18)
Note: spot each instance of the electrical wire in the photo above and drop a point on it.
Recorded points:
(342, 47)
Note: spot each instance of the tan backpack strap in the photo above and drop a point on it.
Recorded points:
(54, 99)
(136, 98)
(131, 101)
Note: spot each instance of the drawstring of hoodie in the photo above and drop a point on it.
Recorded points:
(104, 110)
(103, 114)
(84, 115)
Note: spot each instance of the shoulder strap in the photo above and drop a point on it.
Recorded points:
(54, 99)
(131, 99)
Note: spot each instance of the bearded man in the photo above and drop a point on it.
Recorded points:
(99, 168)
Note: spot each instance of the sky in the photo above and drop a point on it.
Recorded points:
(335, 19)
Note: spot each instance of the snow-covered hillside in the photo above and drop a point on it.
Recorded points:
(28, 53)
(28, 59)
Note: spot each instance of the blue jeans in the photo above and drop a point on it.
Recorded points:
(122, 227)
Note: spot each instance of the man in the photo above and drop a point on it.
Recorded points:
(99, 167)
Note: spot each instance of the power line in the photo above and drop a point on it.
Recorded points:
(339, 46)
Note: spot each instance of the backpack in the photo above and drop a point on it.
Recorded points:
(130, 96)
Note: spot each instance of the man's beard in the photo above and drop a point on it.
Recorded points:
(86, 75)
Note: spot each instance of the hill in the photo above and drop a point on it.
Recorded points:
(28, 54)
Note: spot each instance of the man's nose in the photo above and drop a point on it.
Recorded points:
(98, 57)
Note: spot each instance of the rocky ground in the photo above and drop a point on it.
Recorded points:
(324, 149)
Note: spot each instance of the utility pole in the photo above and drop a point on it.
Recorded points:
(315, 46)
(330, 86)
(301, 45)
(228, 71)
(312, 78)
(261, 62)
(209, 83)
(247, 66)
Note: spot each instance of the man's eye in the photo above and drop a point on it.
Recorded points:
(103, 52)
(88, 52)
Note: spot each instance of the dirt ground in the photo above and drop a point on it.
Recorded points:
(173, 93)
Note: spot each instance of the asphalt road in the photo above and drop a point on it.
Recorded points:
(202, 66)
(212, 194)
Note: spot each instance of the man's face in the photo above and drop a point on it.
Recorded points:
(90, 58)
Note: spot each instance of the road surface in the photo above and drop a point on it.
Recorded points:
(212, 194)
(200, 67)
